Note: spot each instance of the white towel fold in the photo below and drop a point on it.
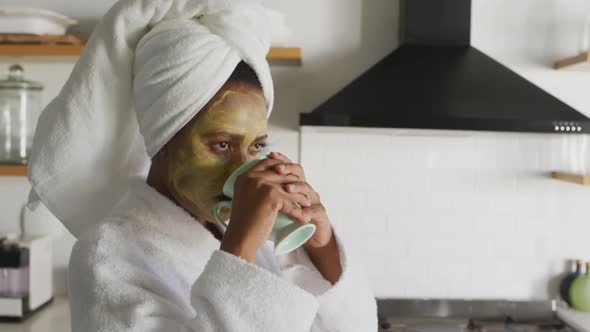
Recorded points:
(165, 60)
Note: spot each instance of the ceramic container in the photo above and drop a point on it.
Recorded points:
(580, 291)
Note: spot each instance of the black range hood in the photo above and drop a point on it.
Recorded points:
(437, 80)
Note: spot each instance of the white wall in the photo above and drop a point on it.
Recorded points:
(342, 38)
(468, 215)
(529, 36)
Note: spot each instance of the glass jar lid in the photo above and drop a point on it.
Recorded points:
(16, 80)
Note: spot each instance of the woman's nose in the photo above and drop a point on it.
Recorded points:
(240, 159)
(245, 155)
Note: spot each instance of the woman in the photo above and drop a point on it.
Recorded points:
(148, 256)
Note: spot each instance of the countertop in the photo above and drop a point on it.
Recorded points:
(576, 319)
(56, 318)
(53, 318)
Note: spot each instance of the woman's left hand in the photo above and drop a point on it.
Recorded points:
(316, 213)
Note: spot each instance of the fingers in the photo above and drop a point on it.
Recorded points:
(289, 168)
(296, 212)
(279, 156)
(273, 180)
(305, 214)
(273, 177)
(281, 166)
(299, 199)
(266, 164)
(291, 204)
(303, 188)
(315, 212)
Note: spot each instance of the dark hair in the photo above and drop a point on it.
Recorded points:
(245, 73)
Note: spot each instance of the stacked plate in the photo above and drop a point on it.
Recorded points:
(17, 20)
(35, 21)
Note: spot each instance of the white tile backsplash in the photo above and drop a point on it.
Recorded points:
(458, 215)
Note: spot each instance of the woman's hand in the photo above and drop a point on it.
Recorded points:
(315, 211)
(258, 197)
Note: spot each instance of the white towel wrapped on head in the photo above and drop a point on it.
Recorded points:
(148, 68)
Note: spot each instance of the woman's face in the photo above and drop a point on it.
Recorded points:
(229, 131)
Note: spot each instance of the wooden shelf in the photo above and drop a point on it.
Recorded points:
(574, 178)
(36, 50)
(582, 58)
(13, 170)
(277, 55)
(285, 55)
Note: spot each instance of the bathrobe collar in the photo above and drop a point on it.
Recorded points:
(154, 218)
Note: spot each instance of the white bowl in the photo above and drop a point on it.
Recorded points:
(18, 20)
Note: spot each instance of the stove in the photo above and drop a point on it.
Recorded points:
(468, 316)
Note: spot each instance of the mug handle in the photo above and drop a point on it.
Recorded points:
(217, 209)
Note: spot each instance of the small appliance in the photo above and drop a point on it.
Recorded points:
(26, 275)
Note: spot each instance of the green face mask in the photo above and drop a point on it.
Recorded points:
(229, 131)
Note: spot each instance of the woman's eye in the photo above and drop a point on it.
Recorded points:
(222, 146)
(259, 146)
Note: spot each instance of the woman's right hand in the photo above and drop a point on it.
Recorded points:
(258, 197)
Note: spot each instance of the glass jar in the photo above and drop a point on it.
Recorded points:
(20, 106)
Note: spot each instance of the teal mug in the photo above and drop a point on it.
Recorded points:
(286, 234)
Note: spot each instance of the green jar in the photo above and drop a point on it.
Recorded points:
(580, 291)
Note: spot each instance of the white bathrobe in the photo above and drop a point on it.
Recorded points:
(151, 267)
